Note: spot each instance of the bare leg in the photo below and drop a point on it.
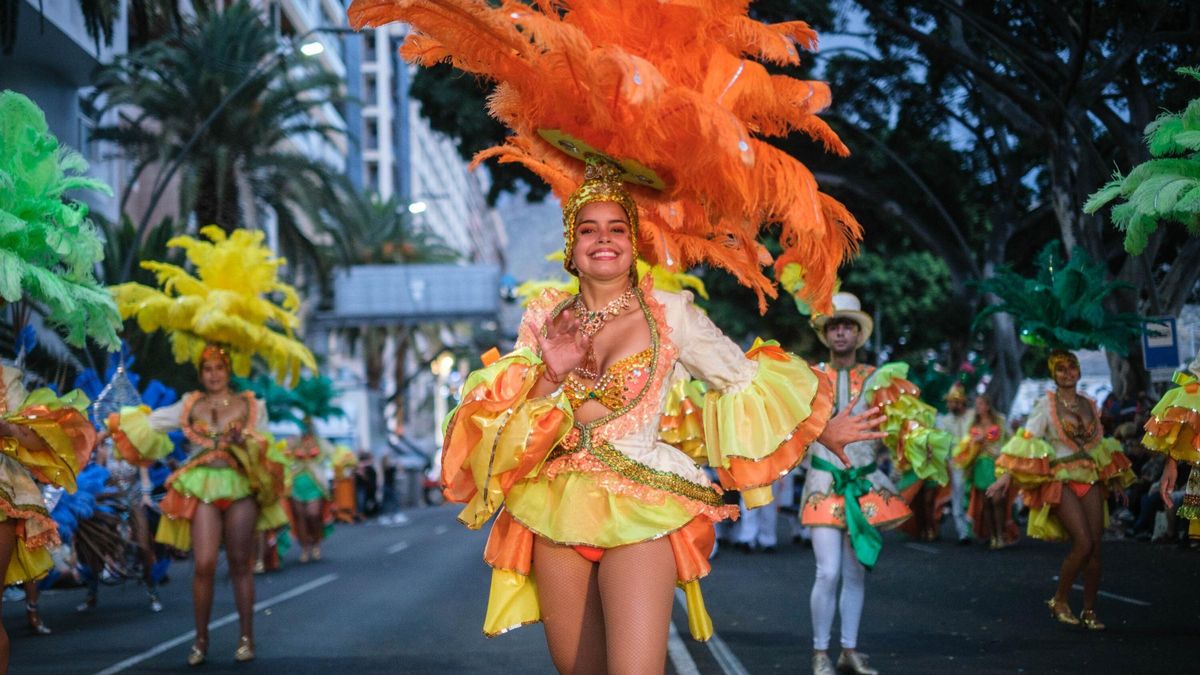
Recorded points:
(928, 506)
(998, 508)
(637, 589)
(8, 544)
(1093, 511)
(239, 553)
(1070, 512)
(569, 595)
(312, 518)
(301, 525)
(206, 546)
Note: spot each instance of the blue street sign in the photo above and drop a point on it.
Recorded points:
(1160, 344)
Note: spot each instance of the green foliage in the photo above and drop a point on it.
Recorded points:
(1163, 189)
(1062, 307)
(260, 96)
(381, 231)
(908, 294)
(48, 244)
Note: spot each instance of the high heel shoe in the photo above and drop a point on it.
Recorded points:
(245, 650)
(1062, 615)
(35, 620)
(198, 653)
(1088, 617)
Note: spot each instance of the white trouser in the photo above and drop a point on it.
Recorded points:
(757, 526)
(958, 505)
(835, 558)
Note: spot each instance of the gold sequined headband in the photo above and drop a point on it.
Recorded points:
(601, 183)
(1059, 355)
(215, 352)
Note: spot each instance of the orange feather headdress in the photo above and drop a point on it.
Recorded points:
(674, 93)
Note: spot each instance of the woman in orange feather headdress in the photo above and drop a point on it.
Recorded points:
(666, 107)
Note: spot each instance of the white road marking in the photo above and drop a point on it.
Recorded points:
(1114, 596)
(396, 548)
(678, 653)
(225, 620)
(441, 529)
(922, 548)
(726, 659)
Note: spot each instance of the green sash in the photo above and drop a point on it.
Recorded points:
(852, 484)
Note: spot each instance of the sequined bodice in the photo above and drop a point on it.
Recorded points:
(617, 386)
(1081, 433)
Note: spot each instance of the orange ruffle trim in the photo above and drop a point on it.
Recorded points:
(882, 509)
(121, 442)
(78, 430)
(748, 474)
(48, 529)
(510, 547)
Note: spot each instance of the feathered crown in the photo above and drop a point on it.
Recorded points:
(671, 92)
(1062, 307)
(227, 302)
(48, 247)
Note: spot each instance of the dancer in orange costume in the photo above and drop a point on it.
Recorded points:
(978, 449)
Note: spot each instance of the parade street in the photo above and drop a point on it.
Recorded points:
(410, 599)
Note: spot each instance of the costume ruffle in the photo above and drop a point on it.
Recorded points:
(63, 425)
(21, 500)
(306, 488)
(758, 434)
(135, 439)
(912, 436)
(682, 421)
(498, 435)
(1174, 424)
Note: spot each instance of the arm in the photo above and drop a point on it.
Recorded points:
(763, 409)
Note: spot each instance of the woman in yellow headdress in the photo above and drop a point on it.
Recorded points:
(232, 482)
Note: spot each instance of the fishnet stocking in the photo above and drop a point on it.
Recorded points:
(569, 595)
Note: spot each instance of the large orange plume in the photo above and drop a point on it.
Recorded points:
(677, 86)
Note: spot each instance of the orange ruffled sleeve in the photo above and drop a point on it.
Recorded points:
(763, 408)
(140, 434)
(498, 435)
(62, 424)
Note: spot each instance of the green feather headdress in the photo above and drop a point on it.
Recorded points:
(48, 246)
(312, 398)
(1062, 307)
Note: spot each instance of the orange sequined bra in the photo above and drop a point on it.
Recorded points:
(617, 386)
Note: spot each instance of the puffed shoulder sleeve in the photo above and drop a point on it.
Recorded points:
(910, 424)
(139, 434)
(1174, 424)
(763, 408)
(1027, 455)
(499, 434)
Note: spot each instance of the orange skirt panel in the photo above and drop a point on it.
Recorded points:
(882, 509)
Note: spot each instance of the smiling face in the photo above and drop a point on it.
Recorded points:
(603, 248)
(214, 375)
(1066, 373)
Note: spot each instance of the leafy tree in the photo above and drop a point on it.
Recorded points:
(228, 106)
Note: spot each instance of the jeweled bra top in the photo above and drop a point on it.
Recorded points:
(616, 387)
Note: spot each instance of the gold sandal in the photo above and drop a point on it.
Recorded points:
(1088, 617)
(198, 654)
(1062, 615)
(245, 650)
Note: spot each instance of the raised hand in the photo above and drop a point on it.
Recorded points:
(563, 347)
(846, 427)
(1000, 487)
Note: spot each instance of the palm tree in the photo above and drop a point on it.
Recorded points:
(224, 103)
(381, 231)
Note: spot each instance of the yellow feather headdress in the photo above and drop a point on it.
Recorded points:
(227, 302)
(673, 92)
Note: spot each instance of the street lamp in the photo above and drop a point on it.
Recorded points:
(417, 207)
(165, 177)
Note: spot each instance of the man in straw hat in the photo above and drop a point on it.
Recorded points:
(843, 505)
(957, 421)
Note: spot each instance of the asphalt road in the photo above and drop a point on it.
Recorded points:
(410, 599)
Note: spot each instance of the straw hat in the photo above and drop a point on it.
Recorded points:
(845, 306)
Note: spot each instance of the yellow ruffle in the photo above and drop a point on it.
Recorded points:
(497, 435)
(210, 484)
(682, 421)
(271, 517)
(27, 564)
(512, 602)
(62, 424)
(910, 424)
(1174, 424)
(574, 508)
(1027, 458)
(132, 432)
(753, 422)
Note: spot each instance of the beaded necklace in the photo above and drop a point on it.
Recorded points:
(591, 322)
